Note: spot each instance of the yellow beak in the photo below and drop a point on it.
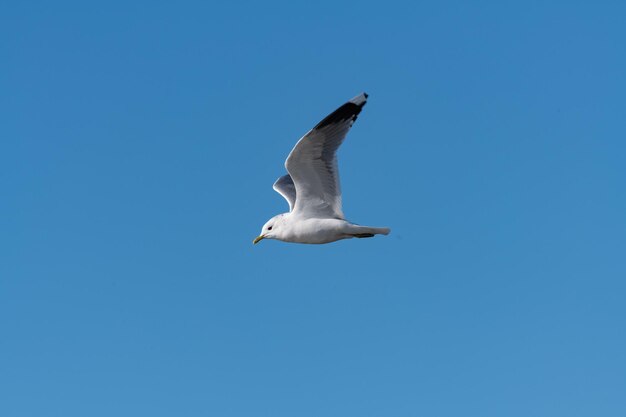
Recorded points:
(258, 239)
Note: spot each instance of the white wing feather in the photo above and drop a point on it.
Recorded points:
(285, 187)
(312, 164)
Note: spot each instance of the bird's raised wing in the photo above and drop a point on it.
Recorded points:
(285, 187)
(312, 164)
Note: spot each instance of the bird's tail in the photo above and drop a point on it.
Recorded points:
(365, 231)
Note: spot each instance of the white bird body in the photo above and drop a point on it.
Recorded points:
(312, 186)
(289, 228)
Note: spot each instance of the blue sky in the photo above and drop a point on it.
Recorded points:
(139, 145)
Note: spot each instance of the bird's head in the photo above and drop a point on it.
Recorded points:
(271, 229)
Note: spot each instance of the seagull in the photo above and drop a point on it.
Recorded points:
(312, 188)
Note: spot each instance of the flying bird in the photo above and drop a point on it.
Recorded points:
(312, 188)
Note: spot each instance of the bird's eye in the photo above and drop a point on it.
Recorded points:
(269, 228)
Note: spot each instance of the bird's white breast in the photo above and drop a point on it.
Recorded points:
(314, 231)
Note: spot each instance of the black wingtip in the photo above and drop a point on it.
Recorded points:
(359, 100)
(349, 110)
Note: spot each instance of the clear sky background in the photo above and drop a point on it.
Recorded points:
(139, 144)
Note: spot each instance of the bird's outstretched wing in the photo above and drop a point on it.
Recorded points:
(312, 164)
(285, 187)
